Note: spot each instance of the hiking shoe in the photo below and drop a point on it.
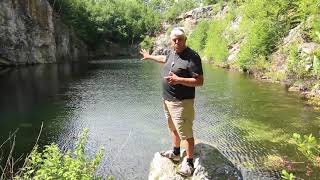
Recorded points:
(186, 169)
(170, 155)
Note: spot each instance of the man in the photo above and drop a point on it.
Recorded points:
(182, 72)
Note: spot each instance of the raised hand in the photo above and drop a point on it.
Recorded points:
(145, 54)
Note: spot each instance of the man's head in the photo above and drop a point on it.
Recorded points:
(178, 39)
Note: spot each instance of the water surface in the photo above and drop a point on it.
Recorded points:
(120, 102)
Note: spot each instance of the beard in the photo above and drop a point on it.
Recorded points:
(177, 48)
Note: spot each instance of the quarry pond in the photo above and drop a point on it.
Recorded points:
(248, 121)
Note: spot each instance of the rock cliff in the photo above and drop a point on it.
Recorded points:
(31, 34)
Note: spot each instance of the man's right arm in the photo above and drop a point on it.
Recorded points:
(157, 58)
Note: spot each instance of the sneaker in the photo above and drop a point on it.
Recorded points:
(185, 169)
(170, 155)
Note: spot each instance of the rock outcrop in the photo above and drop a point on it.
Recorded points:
(68, 46)
(209, 164)
(188, 21)
(31, 34)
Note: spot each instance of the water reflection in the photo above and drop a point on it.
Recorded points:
(29, 97)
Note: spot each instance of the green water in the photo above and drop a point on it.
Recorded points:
(120, 102)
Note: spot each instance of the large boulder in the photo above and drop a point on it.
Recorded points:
(209, 164)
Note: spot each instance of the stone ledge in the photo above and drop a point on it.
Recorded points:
(209, 164)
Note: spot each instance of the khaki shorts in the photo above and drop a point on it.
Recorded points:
(180, 116)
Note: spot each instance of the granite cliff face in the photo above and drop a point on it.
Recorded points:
(31, 34)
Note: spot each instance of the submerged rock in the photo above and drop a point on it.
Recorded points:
(209, 164)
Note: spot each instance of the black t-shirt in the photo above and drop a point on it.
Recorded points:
(186, 64)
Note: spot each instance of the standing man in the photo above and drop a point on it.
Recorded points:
(182, 72)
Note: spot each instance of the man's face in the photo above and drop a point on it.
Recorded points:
(178, 43)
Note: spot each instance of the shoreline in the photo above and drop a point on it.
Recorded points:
(305, 94)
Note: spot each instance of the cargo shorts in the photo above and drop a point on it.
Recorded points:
(180, 116)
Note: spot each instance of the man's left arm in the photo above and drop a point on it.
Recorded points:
(196, 72)
(173, 79)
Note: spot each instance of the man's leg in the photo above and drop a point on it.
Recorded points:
(175, 153)
(187, 166)
(175, 138)
(190, 148)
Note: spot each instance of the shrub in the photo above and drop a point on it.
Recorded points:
(178, 7)
(316, 63)
(147, 43)
(208, 2)
(307, 8)
(118, 21)
(53, 164)
(264, 24)
(297, 66)
(216, 47)
(308, 146)
(198, 37)
(261, 64)
(286, 175)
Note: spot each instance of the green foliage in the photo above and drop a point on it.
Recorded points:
(307, 8)
(177, 7)
(312, 27)
(53, 164)
(296, 64)
(147, 43)
(209, 37)
(170, 28)
(276, 75)
(76, 14)
(119, 21)
(216, 47)
(316, 58)
(261, 64)
(318, 35)
(308, 146)
(316, 63)
(287, 175)
(308, 12)
(264, 24)
(209, 2)
(198, 37)
(293, 59)
(160, 5)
